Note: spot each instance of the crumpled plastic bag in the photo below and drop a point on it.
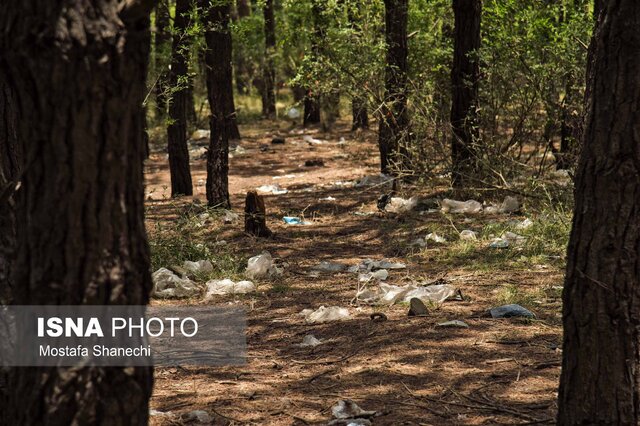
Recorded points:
(379, 179)
(261, 266)
(273, 189)
(324, 314)
(198, 267)
(227, 286)
(309, 341)
(379, 275)
(388, 294)
(401, 205)
(368, 265)
(167, 284)
(453, 206)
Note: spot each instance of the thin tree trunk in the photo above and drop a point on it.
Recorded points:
(161, 41)
(241, 66)
(269, 73)
(359, 112)
(464, 80)
(178, 104)
(359, 104)
(220, 93)
(311, 113)
(600, 380)
(394, 120)
(10, 157)
(79, 210)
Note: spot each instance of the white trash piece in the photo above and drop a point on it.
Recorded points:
(273, 189)
(226, 286)
(200, 134)
(379, 179)
(525, 224)
(167, 285)
(199, 267)
(312, 141)
(309, 341)
(323, 314)
(513, 238)
(491, 209)
(368, 265)
(293, 113)
(453, 324)
(347, 409)
(453, 206)
(401, 205)
(468, 235)
(379, 275)
(388, 294)
(230, 216)
(435, 238)
(261, 266)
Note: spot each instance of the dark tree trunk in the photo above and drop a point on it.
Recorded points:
(359, 113)
(360, 116)
(10, 157)
(178, 104)
(161, 41)
(311, 108)
(241, 67)
(311, 113)
(394, 120)
(464, 81)
(255, 215)
(79, 211)
(600, 380)
(269, 72)
(220, 93)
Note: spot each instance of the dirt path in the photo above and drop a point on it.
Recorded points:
(406, 369)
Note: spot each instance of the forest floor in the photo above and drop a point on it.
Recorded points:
(497, 371)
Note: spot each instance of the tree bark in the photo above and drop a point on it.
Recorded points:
(178, 104)
(359, 110)
(255, 216)
(394, 120)
(10, 157)
(600, 380)
(464, 81)
(269, 73)
(242, 72)
(311, 113)
(220, 94)
(79, 210)
(161, 40)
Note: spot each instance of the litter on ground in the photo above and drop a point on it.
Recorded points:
(168, 285)
(324, 314)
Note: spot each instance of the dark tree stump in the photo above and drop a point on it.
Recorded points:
(254, 216)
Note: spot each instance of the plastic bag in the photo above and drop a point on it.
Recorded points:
(199, 267)
(323, 314)
(261, 266)
(226, 286)
(453, 206)
(166, 284)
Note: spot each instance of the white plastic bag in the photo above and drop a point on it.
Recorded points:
(453, 206)
(166, 284)
(261, 266)
(323, 314)
(226, 286)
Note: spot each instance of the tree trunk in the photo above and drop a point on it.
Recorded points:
(394, 120)
(311, 113)
(359, 113)
(360, 116)
(241, 74)
(269, 73)
(464, 81)
(161, 40)
(255, 216)
(10, 157)
(600, 380)
(178, 104)
(220, 93)
(79, 210)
